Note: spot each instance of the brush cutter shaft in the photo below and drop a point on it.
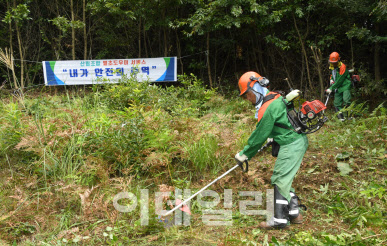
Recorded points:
(326, 102)
(200, 191)
(224, 174)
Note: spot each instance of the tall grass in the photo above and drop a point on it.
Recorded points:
(6, 58)
(66, 162)
(11, 126)
(203, 154)
(130, 136)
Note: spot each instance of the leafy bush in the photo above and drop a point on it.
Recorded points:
(189, 99)
(368, 87)
(126, 93)
(119, 143)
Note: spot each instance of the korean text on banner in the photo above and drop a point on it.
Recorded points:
(83, 72)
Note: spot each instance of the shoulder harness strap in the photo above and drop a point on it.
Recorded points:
(267, 98)
(283, 126)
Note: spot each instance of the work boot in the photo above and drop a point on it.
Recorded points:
(337, 109)
(348, 115)
(340, 116)
(295, 215)
(281, 213)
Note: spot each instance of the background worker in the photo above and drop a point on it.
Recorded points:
(340, 83)
(292, 148)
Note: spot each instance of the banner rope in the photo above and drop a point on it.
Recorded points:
(206, 51)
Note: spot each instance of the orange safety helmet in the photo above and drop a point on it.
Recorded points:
(334, 57)
(248, 79)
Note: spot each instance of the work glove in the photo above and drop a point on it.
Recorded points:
(240, 160)
(332, 82)
(328, 91)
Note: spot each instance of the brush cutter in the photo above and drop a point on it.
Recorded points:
(308, 119)
(326, 102)
(244, 168)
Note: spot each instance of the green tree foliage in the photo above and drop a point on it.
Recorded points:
(218, 39)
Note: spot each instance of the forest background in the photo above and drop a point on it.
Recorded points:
(66, 152)
(288, 42)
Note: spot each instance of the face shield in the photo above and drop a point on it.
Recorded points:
(257, 89)
(259, 92)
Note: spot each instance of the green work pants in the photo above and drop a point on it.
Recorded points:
(288, 162)
(342, 97)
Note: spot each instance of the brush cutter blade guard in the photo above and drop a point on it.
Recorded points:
(244, 166)
(183, 208)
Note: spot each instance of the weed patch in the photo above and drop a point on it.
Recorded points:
(64, 157)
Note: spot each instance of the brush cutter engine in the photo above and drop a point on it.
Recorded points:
(310, 117)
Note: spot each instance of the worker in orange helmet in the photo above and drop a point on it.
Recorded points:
(340, 83)
(256, 89)
(272, 117)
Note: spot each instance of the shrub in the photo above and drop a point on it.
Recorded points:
(118, 143)
(126, 93)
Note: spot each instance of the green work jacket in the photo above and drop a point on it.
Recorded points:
(275, 112)
(342, 80)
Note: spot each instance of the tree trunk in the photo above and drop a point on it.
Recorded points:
(288, 79)
(178, 48)
(317, 57)
(352, 63)
(225, 64)
(256, 44)
(150, 45)
(139, 38)
(302, 74)
(377, 62)
(20, 51)
(159, 43)
(72, 30)
(376, 56)
(84, 31)
(303, 52)
(11, 50)
(21, 56)
(10, 31)
(255, 60)
(215, 65)
(165, 42)
(144, 36)
(262, 68)
(165, 35)
(208, 59)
